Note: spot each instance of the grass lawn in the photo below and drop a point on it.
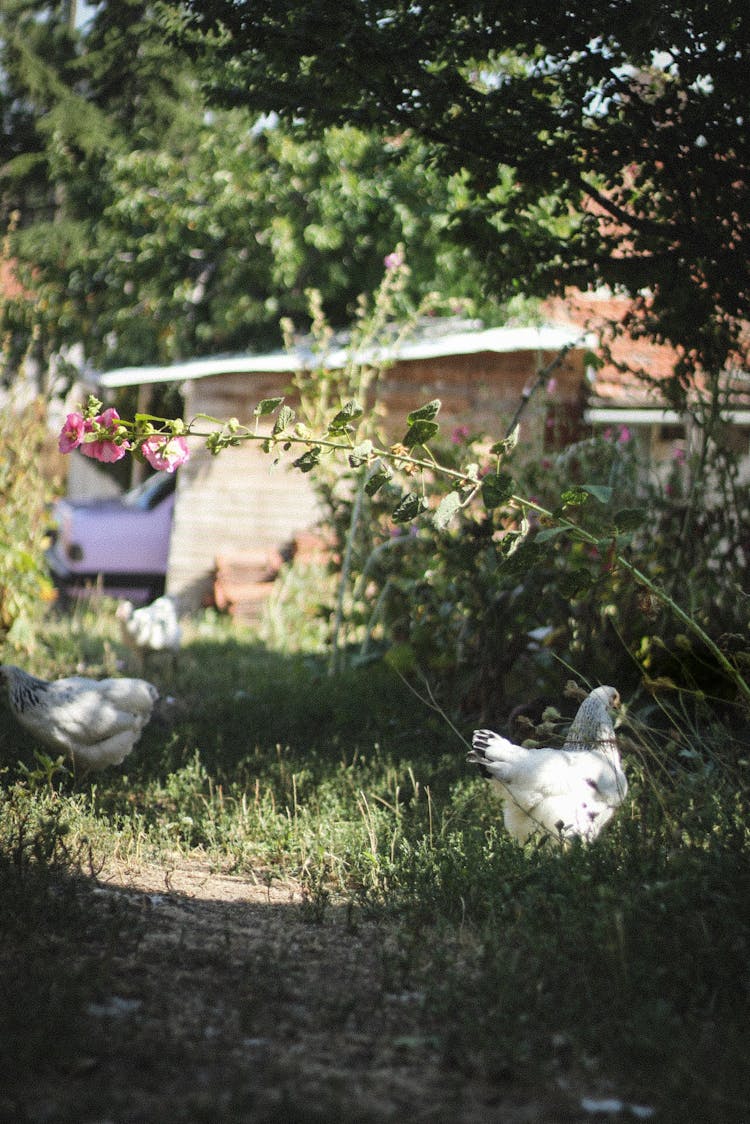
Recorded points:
(295, 902)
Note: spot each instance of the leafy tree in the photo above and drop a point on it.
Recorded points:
(595, 143)
(207, 246)
(69, 100)
(165, 229)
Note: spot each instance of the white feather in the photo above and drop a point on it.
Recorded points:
(152, 628)
(96, 722)
(565, 793)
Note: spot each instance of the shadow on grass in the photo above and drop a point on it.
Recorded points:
(620, 968)
(570, 976)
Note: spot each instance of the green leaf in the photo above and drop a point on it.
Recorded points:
(447, 508)
(308, 460)
(420, 432)
(267, 406)
(574, 497)
(501, 448)
(599, 491)
(410, 506)
(548, 533)
(380, 477)
(593, 359)
(521, 556)
(497, 489)
(425, 413)
(284, 420)
(346, 415)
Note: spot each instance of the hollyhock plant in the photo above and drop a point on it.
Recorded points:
(99, 441)
(165, 454)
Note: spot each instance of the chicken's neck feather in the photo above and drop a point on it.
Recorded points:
(25, 690)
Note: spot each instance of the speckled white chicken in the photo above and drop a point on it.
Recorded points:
(96, 722)
(563, 793)
(152, 628)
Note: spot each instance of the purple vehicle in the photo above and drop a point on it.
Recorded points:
(120, 545)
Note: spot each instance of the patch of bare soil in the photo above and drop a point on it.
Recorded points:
(225, 1000)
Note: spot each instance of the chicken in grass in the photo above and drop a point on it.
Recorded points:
(151, 628)
(565, 793)
(95, 722)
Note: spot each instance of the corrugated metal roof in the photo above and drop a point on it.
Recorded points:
(500, 340)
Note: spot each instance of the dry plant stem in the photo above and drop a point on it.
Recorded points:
(429, 700)
(346, 567)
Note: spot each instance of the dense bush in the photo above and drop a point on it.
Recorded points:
(500, 606)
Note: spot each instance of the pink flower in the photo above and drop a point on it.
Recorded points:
(103, 431)
(165, 454)
(551, 385)
(71, 434)
(394, 260)
(621, 435)
(106, 451)
(460, 435)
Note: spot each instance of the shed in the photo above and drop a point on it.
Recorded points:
(241, 503)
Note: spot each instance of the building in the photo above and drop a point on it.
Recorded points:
(626, 392)
(243, 504)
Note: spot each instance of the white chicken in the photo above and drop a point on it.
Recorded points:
(564, 793)
(96, 722)
(152, 628)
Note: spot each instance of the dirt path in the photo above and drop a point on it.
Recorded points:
(226, 1001)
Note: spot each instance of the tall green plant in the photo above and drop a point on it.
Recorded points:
(334, 399)
(25, 494)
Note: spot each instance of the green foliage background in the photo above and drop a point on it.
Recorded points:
(153, 227)
(27, 487)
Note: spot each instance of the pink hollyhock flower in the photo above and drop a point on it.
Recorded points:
(165, 454)
(71, 434)
(103, 447)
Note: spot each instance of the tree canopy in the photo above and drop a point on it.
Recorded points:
(152, 227)
(516, 149)
(597, 144)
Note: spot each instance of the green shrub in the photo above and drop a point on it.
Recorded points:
(500, 607)
(26, 491)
